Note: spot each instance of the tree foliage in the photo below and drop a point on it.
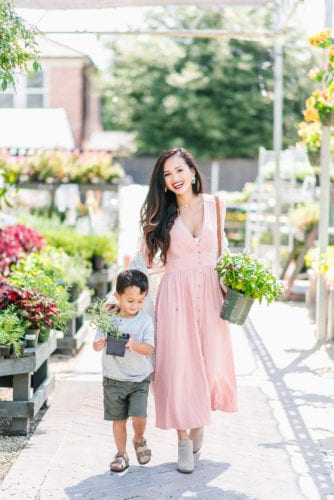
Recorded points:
(18, 46)
(213, 96)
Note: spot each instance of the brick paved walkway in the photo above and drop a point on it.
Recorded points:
(279, 445)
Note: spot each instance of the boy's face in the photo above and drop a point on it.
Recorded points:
(131, 301)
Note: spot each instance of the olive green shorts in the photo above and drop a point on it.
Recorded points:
(123, 399)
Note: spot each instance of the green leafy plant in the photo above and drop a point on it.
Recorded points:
(101, 318)
(12, 329)
(52, 297)
(18, 45)
(248, 275)
(104, 246)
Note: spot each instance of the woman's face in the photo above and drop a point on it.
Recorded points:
(177, 174)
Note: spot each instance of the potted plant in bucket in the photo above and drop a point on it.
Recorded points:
(109, 324)
(245, 279)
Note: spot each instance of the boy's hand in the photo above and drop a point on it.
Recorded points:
(99, 344)
(130, 342)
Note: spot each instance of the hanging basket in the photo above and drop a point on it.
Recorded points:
(327, 120)
(314, 158)
(236, 307)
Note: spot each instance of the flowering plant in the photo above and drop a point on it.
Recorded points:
(321, 103)
(248, 275)
(58, 166)
(310, 133)
(324, 262)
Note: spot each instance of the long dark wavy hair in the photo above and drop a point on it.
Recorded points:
(160, 210)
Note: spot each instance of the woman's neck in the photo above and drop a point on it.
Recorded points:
(186, 200)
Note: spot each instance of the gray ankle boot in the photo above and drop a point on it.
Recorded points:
(185, 462)
(197, 436)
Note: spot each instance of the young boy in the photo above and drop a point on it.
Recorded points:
(126, 379)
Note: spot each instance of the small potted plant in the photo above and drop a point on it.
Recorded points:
(103, 320)
(245, 279)
(104, 250)
(12, 330)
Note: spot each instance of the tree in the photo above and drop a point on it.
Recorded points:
(212, 96)
(18, 46)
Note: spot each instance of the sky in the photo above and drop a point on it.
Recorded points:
(310, 13)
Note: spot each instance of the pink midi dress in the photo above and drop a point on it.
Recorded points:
(194, 371)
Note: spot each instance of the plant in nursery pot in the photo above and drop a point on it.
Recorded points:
(12, 331)
(108, 323)
(104, 250)
(246, 279)
(33, 308)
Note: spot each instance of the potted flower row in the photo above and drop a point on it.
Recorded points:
(245, 279)
(57, 166)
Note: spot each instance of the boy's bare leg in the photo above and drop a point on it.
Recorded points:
(119, 430)
(121, 459)
(143, 452)
(139, 426)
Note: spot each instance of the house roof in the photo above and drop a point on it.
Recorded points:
(51, 48)
(35, 129)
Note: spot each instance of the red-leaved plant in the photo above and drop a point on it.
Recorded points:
(15, 241)
(31, 305)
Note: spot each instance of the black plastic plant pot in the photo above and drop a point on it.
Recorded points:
(116, 346)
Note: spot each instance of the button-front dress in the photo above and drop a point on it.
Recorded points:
(194, 371)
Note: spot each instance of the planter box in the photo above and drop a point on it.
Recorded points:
(28, 376)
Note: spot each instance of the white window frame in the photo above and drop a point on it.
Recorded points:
(20, 96)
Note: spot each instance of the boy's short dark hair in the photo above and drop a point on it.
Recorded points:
(131, 277)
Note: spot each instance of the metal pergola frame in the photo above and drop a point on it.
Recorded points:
(283, 10)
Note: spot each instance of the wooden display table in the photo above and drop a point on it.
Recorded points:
(28, 376)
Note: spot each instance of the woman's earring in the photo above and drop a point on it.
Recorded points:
(193, 180)
(165, 190)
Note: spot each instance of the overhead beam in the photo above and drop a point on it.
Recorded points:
(177, 34)
(104, 4)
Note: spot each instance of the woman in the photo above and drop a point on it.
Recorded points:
(194, 360)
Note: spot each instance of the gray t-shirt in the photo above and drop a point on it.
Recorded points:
(134, 367)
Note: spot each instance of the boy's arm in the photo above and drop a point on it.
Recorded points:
(145, 349)
(147, 346)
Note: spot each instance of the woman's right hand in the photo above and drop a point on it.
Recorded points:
(113, 308)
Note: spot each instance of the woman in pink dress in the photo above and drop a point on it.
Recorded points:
(194, 360)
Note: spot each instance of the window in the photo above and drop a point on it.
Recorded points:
(31, 92)
(6, 100)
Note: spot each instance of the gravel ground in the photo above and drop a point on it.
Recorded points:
(10, 446)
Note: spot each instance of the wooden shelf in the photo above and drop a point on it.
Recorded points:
(28, 376)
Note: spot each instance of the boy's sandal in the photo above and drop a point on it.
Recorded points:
(120, 462)
(143, 456)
